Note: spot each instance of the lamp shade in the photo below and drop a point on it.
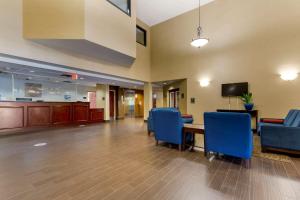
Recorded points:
(199, 42)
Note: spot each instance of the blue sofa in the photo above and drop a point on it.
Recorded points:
(167, 125)
(150, 125)
(281, 136)
(229, 134)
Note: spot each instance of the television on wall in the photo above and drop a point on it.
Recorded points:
(234, 89)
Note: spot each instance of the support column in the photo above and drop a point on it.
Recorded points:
(102, 99)
(147, 99)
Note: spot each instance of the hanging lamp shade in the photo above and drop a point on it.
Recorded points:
(199, 41)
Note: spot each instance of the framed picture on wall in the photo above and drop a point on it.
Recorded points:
(33, 90)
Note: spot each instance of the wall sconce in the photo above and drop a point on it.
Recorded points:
(136, 96)
(288, 75)
(204, 82)
(154, 96)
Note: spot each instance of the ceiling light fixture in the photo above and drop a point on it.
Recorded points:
(289, 75)
(199, 41)
(40, 144)
(204, 82)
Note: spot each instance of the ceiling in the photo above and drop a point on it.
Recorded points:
(40, 72)
(156, 11)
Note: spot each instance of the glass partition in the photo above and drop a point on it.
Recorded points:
(16, 87)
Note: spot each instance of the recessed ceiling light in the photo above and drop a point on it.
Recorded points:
(81, 78)
(31, 71)
(40, 144)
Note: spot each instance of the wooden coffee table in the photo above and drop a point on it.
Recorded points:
(193, 129)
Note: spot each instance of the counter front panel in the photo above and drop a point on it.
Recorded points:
(22, 115)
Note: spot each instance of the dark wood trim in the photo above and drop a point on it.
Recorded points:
(265, 149)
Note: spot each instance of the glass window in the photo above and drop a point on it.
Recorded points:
(124, 5)
(141, 36)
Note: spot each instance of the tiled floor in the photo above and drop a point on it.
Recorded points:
(119, 161)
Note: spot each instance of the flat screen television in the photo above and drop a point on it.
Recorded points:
(234, 89)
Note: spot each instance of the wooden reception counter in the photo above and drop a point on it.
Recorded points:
(25, 115)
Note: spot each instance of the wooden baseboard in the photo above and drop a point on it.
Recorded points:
(286, 151)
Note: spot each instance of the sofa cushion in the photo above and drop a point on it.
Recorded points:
(267, 124)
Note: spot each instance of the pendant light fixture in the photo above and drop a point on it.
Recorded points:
(199, 41)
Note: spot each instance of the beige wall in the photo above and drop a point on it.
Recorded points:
(107, 25)
(249, 41)
(148, 91)
(58, 19)
(13, 43)
(159, 96)
(102, 99)
(121, 103)
(182, 86)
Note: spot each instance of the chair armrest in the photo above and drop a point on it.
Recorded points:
(186, 116)
(272, 120)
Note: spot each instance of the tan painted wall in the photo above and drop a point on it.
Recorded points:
(107, 25)
(182, 86)
(249, 41)
(121, 103)
(102, 99)
(148, 104)
(159, 97)
(13, 43)
(58, 19)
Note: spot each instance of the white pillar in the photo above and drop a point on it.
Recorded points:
(147, 99)
(102, 99)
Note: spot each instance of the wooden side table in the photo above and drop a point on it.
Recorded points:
(193, 129)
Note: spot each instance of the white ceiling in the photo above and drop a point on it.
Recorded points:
(153, 12)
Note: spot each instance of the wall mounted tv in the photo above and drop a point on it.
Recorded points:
(234, 89)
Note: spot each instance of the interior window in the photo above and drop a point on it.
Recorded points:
(141, 36)
(123, 5)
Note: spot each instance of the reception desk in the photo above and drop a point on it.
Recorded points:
(25, 115)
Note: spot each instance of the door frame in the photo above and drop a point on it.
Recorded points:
(114, 117)
(175, 99)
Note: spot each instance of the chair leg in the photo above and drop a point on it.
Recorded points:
(248, 163)
(149, 133)
(156, 143)
(180, 147)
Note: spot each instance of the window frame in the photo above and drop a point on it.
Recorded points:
(115, 5)
(145, 34)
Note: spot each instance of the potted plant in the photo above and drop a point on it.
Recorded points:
(248, 101)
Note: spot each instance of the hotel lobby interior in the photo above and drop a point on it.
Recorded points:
(138, 99)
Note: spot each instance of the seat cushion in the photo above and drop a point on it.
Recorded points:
(187, 120)
(267, 124)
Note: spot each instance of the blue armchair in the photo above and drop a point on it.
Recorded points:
(150, 126)
(229, 134)
(281, 136)
(168, 125)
